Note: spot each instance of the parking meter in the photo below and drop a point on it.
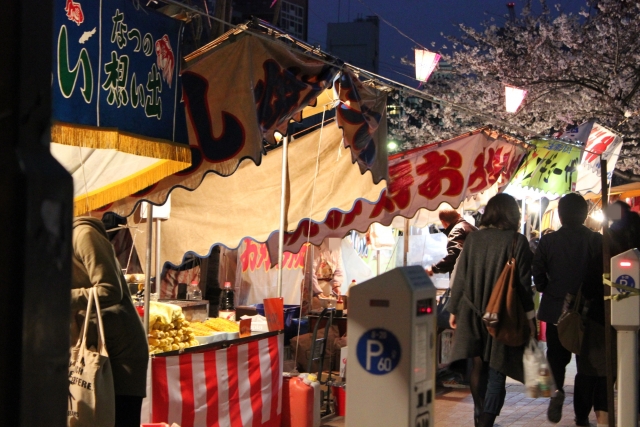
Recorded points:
(391, 350)
(625, 318)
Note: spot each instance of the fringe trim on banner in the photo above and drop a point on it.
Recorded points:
(113, 139)
(124, 187)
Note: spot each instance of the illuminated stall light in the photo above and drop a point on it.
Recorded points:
(425, 63)
(513, 98)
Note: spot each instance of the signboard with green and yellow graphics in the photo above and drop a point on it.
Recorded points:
(552, 168)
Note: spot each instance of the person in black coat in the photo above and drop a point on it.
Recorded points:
(566, 261)
(481, 262)
(456, 229)
(624, 231)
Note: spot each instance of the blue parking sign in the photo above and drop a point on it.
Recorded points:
(625, 280)
(378, 351)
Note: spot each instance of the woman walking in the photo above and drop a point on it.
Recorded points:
(483, 257)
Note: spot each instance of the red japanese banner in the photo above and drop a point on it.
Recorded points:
(425, 177)
(256, 280)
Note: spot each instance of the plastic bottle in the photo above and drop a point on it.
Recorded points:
(339, 307)
(227, 307)
(194, 292)
(352, 284)
(543, 380)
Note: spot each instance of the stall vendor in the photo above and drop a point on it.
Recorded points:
(327, 270)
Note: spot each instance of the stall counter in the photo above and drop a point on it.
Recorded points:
(228, 383)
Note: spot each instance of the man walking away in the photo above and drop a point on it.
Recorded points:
(566, 261)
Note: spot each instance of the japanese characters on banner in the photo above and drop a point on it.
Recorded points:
(116, 66)
(237, 95)
(259, 280)
(116, 95)
(236, 386)
(361, 115)
(551, 170)
(558, 167)
(448, 172)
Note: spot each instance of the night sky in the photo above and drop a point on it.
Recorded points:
(422, 20)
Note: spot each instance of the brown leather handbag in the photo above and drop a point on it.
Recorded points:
(504, 317)
(571, 323)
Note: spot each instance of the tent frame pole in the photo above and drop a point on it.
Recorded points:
(405, 240)
(158, 249)
(283, 200)
(147, 276)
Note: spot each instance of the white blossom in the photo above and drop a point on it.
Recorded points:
(574, 67)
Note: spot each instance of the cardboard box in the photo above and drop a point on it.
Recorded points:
(343, 362)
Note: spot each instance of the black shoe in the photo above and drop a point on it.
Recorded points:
(582, 423)
(554, 413)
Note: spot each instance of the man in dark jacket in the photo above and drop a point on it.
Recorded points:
(566, 261)
(456, 229)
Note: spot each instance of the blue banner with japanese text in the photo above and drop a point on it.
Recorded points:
(116, 66)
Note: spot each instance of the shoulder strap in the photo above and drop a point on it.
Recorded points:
(513, 246)
(83, 332)
(471, 304)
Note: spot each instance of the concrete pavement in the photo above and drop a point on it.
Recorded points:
(454, 408)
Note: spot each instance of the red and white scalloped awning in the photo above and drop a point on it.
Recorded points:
(225, 210)
(426, 177)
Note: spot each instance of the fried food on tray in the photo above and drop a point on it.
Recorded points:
(200, 329)
(222, 325)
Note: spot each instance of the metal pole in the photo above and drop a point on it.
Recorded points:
(378, 263)
(406, 242)
(283, 200)
(523, 216)
(606, 269)
(147, 276)
(158, 262)
(627, 377)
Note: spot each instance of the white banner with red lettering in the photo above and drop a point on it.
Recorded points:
(238, 386)
(259, 280)
(425, 177)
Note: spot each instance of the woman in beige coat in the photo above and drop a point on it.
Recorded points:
(95, 265)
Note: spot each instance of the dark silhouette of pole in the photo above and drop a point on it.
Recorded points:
(35, 237)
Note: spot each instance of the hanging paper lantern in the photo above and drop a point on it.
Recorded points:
(425, 63)
(513, 98)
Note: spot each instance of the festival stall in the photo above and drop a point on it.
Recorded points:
(230, 120)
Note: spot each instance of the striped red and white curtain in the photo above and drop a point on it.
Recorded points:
(238, 386)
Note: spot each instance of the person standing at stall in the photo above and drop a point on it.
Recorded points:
(481, 262)
(94, 264)
(327, 271)
(456, 229)
(565, 262)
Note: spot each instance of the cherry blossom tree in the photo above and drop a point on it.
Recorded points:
(576, 67)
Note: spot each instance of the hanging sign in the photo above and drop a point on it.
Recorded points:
(116, 66)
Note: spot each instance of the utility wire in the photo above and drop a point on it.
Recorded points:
(391, 25)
